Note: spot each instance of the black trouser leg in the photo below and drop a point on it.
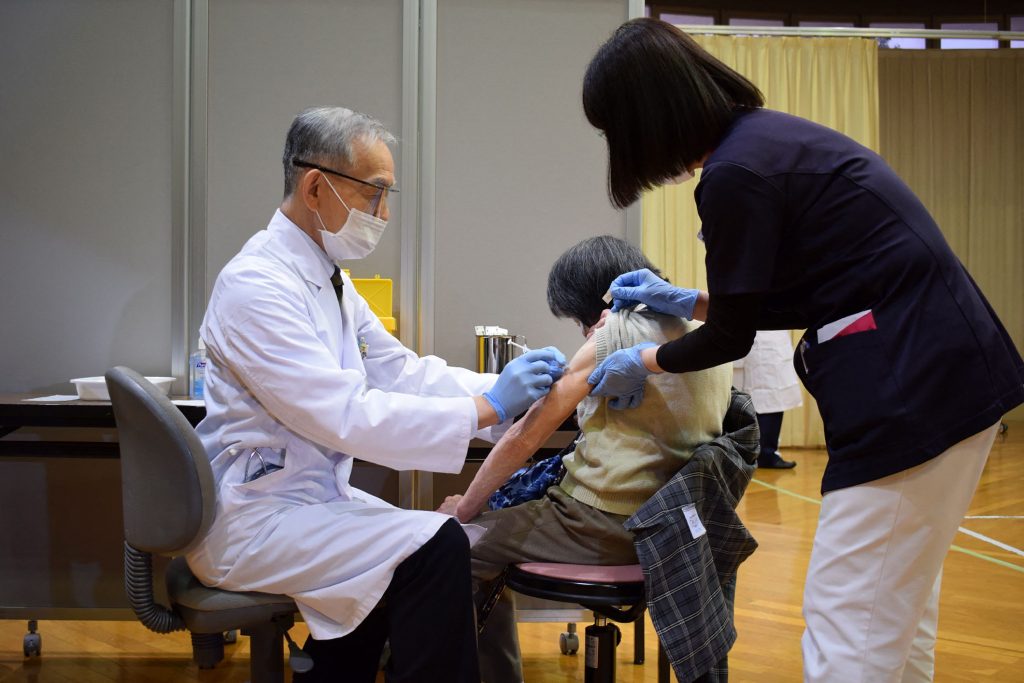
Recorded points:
(355, 657)
(428, 616)
(430, 608)
(770, 425)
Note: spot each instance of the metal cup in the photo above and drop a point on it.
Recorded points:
(493, 350)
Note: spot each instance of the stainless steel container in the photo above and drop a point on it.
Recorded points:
(495, 347)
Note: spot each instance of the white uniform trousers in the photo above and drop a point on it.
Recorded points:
(872, 592)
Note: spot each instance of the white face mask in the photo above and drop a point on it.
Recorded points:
(357, 237)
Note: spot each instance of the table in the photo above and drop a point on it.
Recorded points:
(16, 413)
(60, 502)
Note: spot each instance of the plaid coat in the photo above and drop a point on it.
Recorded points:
(690, 581)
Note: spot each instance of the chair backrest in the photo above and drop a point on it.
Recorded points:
(166, 481)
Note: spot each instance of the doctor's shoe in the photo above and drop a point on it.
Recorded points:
(774, 461)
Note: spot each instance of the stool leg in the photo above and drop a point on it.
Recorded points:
(266, 654)
(663, 667)
(601, 639)
(638, 640)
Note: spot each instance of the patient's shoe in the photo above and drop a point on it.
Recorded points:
(774, 461)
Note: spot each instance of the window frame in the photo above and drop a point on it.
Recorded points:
(721, 15)
(785, 17)
(1002, 22)
(815, 16)
(657, 9)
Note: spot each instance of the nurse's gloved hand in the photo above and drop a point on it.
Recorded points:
(622, 376)
(524, 380)
(644, 287)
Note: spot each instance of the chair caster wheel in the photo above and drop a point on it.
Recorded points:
(569, 642)
(231, 637)
(32, 644)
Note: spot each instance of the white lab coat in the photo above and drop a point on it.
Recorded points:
(290, 369)
(767, 373)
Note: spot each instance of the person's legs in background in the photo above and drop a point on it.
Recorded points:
(871, 592)
(426, 612)
(770, 426)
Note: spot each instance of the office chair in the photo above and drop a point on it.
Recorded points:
(168, 496)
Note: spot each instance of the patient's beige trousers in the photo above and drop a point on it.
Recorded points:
(556, 528)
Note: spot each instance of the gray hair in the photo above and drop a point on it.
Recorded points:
(325, 136)
(580, 277)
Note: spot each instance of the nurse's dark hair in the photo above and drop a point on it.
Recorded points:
(325, 136)
(662, 102)
(582, 275)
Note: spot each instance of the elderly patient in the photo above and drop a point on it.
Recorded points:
(620, 460)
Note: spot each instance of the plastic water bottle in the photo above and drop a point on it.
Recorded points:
(197, 371)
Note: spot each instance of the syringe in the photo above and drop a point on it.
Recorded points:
(556, 368)
(522, 347)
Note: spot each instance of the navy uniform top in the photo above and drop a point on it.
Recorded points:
(821, 229)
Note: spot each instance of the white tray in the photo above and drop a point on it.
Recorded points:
(95, 388)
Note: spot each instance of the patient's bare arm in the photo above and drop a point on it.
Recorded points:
(524, 437)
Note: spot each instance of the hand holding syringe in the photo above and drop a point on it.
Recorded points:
(556, 368)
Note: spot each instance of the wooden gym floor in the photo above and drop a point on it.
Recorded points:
(980, 620)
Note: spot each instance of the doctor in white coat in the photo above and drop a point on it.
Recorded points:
(767, 374)
(301, 379)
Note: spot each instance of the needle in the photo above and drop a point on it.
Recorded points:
(521, 347)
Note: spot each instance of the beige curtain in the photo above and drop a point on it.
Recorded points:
(953, 128)
(833, 81)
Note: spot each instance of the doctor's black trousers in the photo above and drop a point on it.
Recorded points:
(426, 614)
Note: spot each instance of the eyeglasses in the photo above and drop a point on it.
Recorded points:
(380, 197)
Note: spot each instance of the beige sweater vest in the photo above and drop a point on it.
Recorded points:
(625, 456)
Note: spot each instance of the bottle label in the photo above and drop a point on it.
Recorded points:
(197, 375)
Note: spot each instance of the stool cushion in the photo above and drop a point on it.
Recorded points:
(588, 585)
(588, 573)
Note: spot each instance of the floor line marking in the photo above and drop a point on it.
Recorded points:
(987, 558)
(816, 501)
(998, 544)
(959, 549)
(994, 517)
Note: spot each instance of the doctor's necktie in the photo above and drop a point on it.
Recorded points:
(339, 285)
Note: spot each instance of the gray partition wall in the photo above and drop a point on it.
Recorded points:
(142, 143)
(267, 61)
(85, 189)
(520, 174)
(90, 209)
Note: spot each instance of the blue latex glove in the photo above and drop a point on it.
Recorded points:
(644, 287)
(622, 375)
(524, 380)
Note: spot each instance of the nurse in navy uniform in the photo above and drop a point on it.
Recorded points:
(807, 229)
